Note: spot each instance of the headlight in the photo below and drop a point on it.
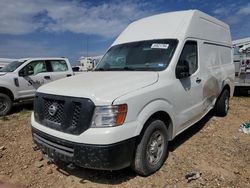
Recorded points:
(109, 116)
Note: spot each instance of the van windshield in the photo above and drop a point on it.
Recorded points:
(152, 55)
(12, 66)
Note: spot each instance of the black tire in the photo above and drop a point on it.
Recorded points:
(5, 104)
(222, 105)
(142, 163)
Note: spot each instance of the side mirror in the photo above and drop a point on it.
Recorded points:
(182, 70)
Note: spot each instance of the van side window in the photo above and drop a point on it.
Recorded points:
(58, 65)
(189, 55)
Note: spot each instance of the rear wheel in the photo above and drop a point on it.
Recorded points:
(152, 149)
(5, 104)
(222, 105)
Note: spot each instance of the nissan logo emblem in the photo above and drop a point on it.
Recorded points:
(53, 109)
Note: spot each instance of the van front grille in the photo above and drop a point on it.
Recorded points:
(76, 115)
(66, 114)
(58, 117)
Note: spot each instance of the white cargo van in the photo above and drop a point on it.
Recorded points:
(160, 76)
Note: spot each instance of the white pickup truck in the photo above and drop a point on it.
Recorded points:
(20, 79)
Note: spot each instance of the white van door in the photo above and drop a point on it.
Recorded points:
(188, 88)
(31, 77)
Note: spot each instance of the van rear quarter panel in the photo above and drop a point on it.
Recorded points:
(217, 70)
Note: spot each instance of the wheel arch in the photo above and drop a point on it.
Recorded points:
(227, 84)
(8, 92)
(163, 116)
(225, 87)
(157, 110)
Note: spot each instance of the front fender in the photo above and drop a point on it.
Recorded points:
(150, 109)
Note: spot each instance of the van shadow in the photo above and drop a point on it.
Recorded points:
(22, 107)
(120, 176)
(187, 134)
(98, 176)
(242, 92)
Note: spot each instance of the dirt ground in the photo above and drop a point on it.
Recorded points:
(213, 147)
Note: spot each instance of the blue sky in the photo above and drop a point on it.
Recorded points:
(34, 28)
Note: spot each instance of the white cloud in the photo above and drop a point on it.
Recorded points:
(233, 13)
(221, 11)
(10, 48)
(22, 49)
(236, 15)
(106, 19)
(234, 19)
(16, 17)
(245, 10)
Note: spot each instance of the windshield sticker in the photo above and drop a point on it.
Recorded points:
(160, 46)
(160, 64)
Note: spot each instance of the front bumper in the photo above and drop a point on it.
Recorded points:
(105, 157)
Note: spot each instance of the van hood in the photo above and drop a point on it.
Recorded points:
(101, 87)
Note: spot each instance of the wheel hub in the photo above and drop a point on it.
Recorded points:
(226, 104)
(155, 147)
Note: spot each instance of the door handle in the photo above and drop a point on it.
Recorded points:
(47, 77)
(68, 75)
(198, 80)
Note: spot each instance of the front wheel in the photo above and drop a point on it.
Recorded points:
(5, 104)
(152, 149)
(222, 105)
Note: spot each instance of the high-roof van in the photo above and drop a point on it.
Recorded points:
(160, 76)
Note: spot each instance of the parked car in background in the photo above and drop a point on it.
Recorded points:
(20, 79)
(160, 76)
(76, 68)
(242, 65)
(89, 63)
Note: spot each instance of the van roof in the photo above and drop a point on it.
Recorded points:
(177, 25)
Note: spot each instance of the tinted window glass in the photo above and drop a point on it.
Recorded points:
(189, 56)
(34, 68)
(153, 55)
(58, 65)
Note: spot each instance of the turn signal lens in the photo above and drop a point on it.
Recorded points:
(122, 111)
